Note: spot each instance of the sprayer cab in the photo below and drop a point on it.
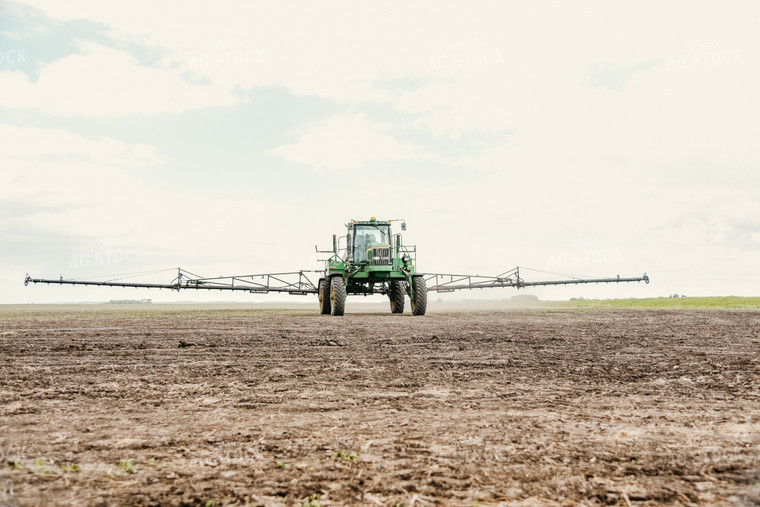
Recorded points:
(371, 244)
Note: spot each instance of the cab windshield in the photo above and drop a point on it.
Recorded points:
(366, 235)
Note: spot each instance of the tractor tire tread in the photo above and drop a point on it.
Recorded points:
(338, 295)
(325, 307)
(396, 296)
(419, 289)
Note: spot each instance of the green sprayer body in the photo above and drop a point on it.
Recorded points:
(370, 259)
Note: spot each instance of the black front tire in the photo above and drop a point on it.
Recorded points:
(325, 307)
(338, 295)
(396, 296)
(419, 301)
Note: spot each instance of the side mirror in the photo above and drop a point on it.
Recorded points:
(403, 226)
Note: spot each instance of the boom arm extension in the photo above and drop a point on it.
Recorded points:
(437, 282)
(293, 282)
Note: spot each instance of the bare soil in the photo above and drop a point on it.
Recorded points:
(217, 407)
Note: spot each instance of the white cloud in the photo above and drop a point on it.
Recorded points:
(61, 184)
(514, 63)
(31, 143)
(104, 82)
(344, 143)
(89, 202)
(233, 45)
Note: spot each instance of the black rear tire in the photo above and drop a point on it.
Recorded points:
(338, 295)
(419, 301)
(396, 296)
(325, 307)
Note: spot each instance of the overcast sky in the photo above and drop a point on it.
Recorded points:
(591, 138)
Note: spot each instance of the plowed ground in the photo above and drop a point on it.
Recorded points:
(217, 407)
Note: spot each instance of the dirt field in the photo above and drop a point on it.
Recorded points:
(217, 407)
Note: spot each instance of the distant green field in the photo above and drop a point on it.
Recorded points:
(728, 302)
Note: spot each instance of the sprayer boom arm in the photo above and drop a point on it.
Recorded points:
(438, 282)
(293, 282)
(300, 282)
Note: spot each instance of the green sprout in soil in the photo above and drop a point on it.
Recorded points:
(345, 455)
(40, 467)
(313, 501)
(151, 462)
(128, 465)
(69, 468)
(14, 464)
(279, 464)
